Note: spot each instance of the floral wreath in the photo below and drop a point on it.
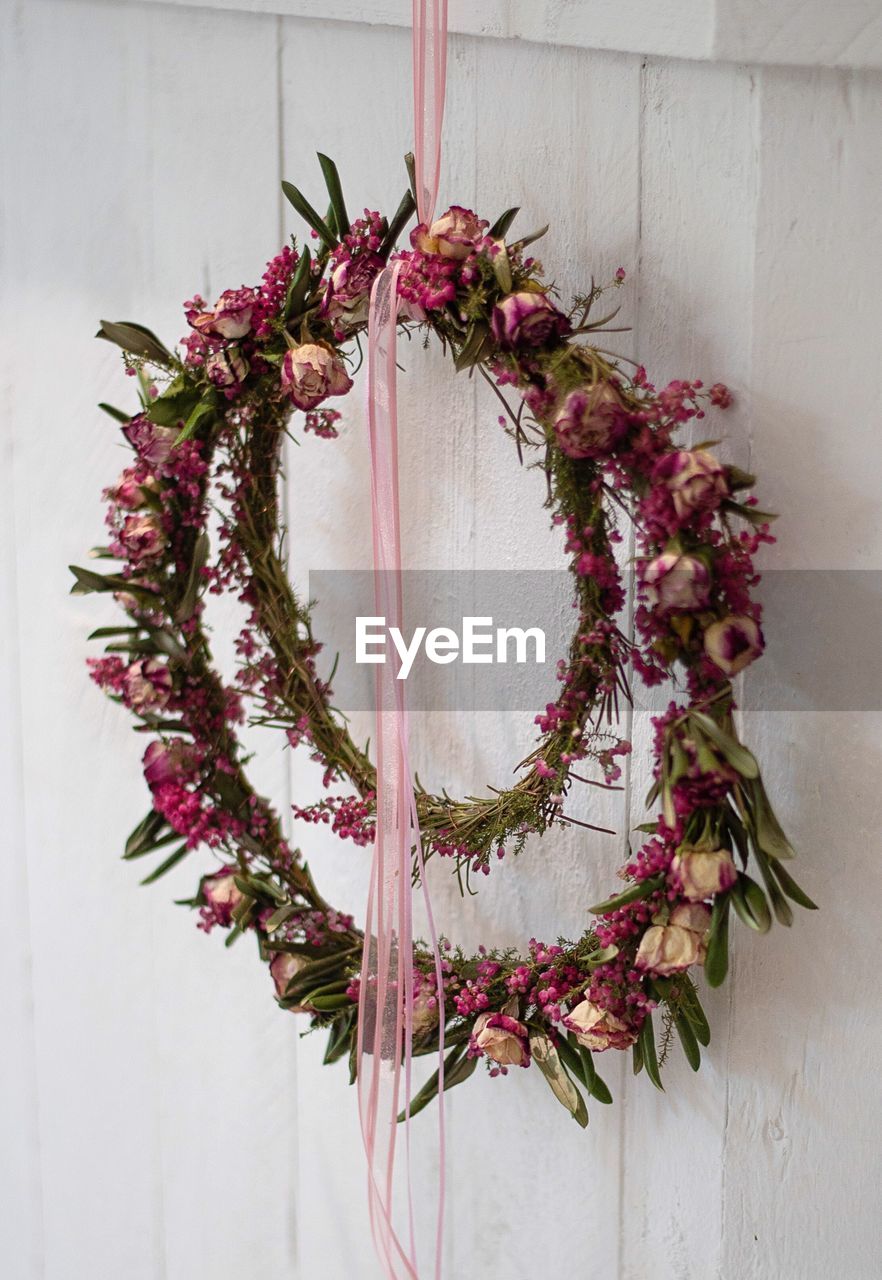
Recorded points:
(207, 441)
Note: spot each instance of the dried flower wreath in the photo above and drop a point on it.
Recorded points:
(207, 439)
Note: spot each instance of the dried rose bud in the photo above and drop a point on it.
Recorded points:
(597, 1028)
(700, 873)
(311, 373)
(676, 583)
(670, 948)
(733, 643)
(503, 1039)
(527, 319)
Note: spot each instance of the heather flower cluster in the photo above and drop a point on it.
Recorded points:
(195, 514)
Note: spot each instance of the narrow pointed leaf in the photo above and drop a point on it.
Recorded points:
(403, 214)
(734, 751)
(646, 1041)
(791, 888)
(335, 192)
(116, 414)
(171, 861)
(548, 1061)
(503, 222)
(309, 215)
(688, 1041)
(135, 339)
(716, 964)
(633, 893)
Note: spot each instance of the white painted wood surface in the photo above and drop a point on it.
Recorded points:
(160, 1118)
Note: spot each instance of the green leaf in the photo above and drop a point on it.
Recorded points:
(791, 888)
(780, 905)
(298, 287)
(750, 904)
(116, 414)
(646, 1040)
(192, 589)
(633, 893)
(410, 166)
(88, 582)
(309, 215)
(144, 837)
(735, 752)
(335, 192)
(548, 1061)
(457, 1068)
(530, 239)
(688, 1040)
(767, 830)
(135, 339)
(637, 1056)
(475, 346)
(204, 409)
(151, 848)
(503, 222)
(279, 917)
(690, 1006)
(403, 214)
(171, 861)
(716, 964)
(103, 633)
(338, 1040)
(330, 1004)
(502, 270)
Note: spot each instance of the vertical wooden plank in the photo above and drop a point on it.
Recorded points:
(156, 1062)
(20, 1180)
(804, 1133)
(567, 153)
(695, 291)
(225, 1053)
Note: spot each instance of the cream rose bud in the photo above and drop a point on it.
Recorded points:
(670, 948)
(226, 368)
(597, 1028)
(231, 317)
(311, 373)
(425, 1012)
(700, 873)
(222, 895)
(148, 685)
(677, 583)
(503, 1039)
(284, 968)
(694, 478)
(455, 234)
(733, 643)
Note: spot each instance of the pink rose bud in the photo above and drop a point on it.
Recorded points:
(597, 1028)
(591, 421)
(425, 1012)
(694, 478)
(673, 947)
(456, 234)
(313, 372)
(284, 968)
(733, 643)
(231, 317)
(676, 583)
(527, 319)
(148, 685)
(347, 295)
(142, 538)
(168, 761)
(131, 488)
(152, 444)
(700, 873)
(227, 367)
(222, 895)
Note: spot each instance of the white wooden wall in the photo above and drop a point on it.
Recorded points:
(159, 1117)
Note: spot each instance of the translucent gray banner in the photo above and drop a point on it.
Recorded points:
(823, 632)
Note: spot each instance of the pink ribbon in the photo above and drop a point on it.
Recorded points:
(384, 1042)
